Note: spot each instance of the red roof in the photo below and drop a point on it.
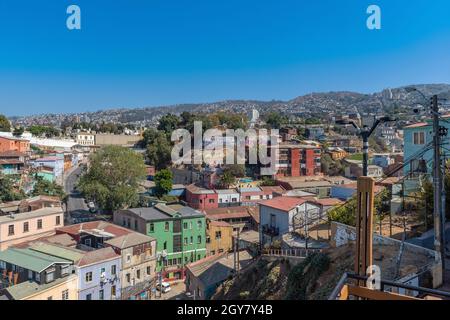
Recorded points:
(283, 203)
(98, 255)
(227, 213)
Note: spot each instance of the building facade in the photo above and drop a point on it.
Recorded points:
(179, 232)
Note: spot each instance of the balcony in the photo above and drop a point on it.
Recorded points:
(270, 230)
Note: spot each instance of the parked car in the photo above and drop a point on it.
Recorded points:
(164, 288)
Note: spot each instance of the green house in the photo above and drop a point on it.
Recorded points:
(180, 234)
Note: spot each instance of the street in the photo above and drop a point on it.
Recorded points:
(76, 206)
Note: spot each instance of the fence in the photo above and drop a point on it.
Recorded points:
(300, 253)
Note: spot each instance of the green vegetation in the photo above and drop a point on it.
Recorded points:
(331, 167)
(44, 187)
(227, 179)
(158, 148)
(346, 213)
(113, 178)
(275, 120)
(18, 132)
(47, 131)
(356, 157)
(5, 126)
(268, 182)
(8, 191)
(163, 182)
(303, 277)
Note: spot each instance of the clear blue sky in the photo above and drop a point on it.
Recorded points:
(138, 53)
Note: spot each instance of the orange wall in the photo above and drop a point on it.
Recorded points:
(14, 145)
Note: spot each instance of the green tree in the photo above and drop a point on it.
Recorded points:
(268, 182)
(45, 187)
(159, 151)
(113, 177)
(8, 192)
(5, 126)
(227, 179)
(18, 132)
(275, 120)
(236, 170)
(163, 182)
(168, 123)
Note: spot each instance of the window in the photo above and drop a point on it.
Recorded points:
(419, 138)
(88, 277)
(138, 274)
(149, 270)
(113, 291)
(89, 296)
(58, 220)
(218, 235)
(50, 276)
(65, 270)
(152, 227)
(211, 200)
(101, 294)
(26, 227)
(65, 294)
(128, 258)
(102, 270)
(113, 269)
(199, 224)
(87, 242)
(185, 225)
(213, 252)
(186, 241)
(166, 226)
(190, 225)
(199, 257)
(192, 240)
(165, 245)
(199, 239)
(39, 224)
(135, 224)
(179, 261)
(11, 230)
(124, 222)
(220, 250)
(128, 277)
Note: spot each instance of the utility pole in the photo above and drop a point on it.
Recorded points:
(437, 185)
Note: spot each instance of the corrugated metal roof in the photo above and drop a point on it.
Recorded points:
(30, 259)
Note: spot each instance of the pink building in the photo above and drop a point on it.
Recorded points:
(200, 198)
(16, 228)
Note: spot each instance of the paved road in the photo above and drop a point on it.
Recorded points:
(75, 202)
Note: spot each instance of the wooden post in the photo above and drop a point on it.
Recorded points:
(364, 225)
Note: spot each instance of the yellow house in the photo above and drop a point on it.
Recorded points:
(219, 237)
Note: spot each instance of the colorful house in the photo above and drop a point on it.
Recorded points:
(179, 232)
(200, 198)
(416, 137)
(14, 144)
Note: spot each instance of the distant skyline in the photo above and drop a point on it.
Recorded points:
(163, 52)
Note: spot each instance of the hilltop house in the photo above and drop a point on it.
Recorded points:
(179, 232)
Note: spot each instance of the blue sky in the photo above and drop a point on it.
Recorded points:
(139, 53)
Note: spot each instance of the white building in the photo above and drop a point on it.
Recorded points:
(85, 139)
(228, 197)
(282, 215)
